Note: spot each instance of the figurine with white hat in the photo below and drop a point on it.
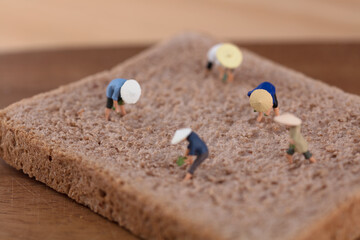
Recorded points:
(230, 57)
(263, 99)
(211, 58)
(297, 141)
(196, 147)
(121, 91)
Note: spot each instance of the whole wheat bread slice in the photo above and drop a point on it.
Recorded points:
(125, 169)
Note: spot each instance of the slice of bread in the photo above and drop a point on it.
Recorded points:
(125, 169)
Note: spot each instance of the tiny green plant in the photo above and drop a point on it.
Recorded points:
(180, 161)
(224, 78)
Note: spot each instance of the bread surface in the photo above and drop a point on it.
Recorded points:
(125, 169)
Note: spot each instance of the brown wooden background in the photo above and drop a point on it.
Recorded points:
(30, 210)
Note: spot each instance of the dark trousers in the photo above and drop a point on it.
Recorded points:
(199, 159)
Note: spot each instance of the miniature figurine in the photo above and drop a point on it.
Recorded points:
(262, 98)
(196, 147)
(297, 141)
(230, 57)
(121, 91)
(211, 57)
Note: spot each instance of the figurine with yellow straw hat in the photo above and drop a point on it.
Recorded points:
(196, 147)
(230, 57)
(263, 99)
(297, 141)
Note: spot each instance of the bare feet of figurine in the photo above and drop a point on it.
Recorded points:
(187, 177)
(312, 160)
(258, 119)
(289, 158)
(277, 112)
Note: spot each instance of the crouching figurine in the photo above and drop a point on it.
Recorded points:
(297, 141)
(119, 92)
(263, 98)
(196, 147)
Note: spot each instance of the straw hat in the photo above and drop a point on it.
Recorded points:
(229, 55)
(288, 119)
(130, 91)
(180, 135)
(261, 100)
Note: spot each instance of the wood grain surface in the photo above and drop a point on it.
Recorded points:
(34, 24)
(31, 210)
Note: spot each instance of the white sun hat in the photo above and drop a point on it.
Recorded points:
(180, 135)
(288, 119)
(130, 92)
(211, 55)
(261, 100)
(229, 55)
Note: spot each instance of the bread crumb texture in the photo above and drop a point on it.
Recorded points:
(125, 169)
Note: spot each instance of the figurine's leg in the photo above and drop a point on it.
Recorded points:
(259, 117)
(208, 68)
(268, 112)
(122, 109)
(109, 105)
(231, 75)
(107, 113)
(290, 152)
(196, 164)
(289, 158)
(277, 112)
(309, 156)
(221, 72)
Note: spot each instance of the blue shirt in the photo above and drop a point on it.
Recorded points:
(196, 145)
(268, 87)
(113, 89)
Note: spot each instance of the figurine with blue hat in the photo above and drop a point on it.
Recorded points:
(263, 99)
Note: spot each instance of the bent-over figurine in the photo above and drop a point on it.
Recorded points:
(263, 98)
(121, 91)
(196, 147)
(297, 141)
(230, 57)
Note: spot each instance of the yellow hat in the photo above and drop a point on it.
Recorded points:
(261, 100)
(288, 119)
(229, 55)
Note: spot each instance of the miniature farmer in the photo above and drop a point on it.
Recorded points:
(121, 91)
(196, 147)
(230, 57)
(297, 141)
(263, 98)
(211, 58)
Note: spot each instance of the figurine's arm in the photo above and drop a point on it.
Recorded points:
(189, 158)
(187, 152)
(116, 105)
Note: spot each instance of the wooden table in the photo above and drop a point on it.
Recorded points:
(31, 210)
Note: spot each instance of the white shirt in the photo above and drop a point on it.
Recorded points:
(211, 55)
